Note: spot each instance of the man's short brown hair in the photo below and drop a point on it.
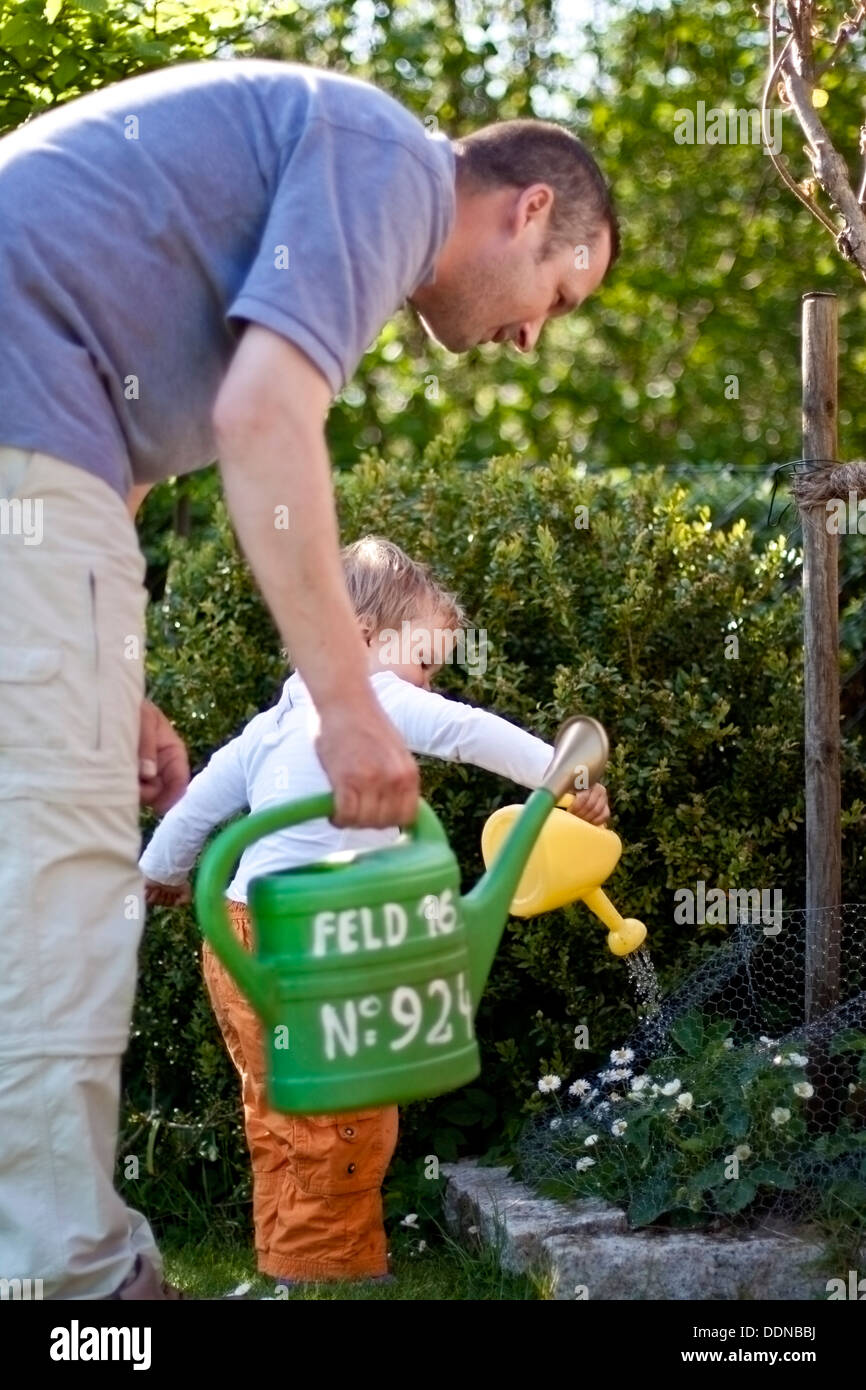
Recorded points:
(519, 153)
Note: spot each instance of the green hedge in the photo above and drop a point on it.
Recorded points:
(629, 619)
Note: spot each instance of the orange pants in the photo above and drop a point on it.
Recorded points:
(317, 1205)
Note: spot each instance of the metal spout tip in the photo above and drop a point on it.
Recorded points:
(579, 756)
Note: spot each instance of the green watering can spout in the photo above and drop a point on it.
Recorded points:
(579, 758)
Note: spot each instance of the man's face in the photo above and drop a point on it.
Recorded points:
(493, 282)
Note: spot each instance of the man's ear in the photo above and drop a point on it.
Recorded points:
(535, 203)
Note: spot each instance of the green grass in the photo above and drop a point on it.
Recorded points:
(444, 1271)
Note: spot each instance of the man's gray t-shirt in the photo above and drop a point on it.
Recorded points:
(142, 224)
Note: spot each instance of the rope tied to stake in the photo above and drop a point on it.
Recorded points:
(814, 486)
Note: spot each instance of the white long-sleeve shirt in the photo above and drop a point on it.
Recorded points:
(274, 760)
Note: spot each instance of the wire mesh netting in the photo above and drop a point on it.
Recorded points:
(727, 1104)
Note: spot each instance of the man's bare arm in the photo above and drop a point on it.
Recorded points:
(136, 496)
(269, 419)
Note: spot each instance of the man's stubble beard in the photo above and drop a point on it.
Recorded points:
(464, 311)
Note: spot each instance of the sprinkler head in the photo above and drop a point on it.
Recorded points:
(627, 938)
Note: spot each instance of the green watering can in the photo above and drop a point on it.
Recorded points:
(369, 966)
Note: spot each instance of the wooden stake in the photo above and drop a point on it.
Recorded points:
(821, 655)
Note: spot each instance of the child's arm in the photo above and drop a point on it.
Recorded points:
(461, 733)
(218, 792)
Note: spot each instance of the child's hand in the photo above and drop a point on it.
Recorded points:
(166, 894)
(591, 805)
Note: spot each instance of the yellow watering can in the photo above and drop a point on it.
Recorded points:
(568, 863)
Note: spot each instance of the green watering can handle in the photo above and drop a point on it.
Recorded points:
(220, 859)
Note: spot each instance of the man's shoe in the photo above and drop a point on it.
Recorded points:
(144, 1284)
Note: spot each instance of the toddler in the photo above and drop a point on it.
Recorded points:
(317, 1208)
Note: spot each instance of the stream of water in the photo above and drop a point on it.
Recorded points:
(644, 980)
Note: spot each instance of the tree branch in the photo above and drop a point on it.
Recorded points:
(829, 167)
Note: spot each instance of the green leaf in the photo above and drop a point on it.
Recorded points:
(735, 1195)
(637, 1136)
(717, 1032)
(52, 9)
(850, 1040)
(708, 1177)
(773, 1176)
(688, 1031)
(66, 68)
(849, 1192)
(445, 1143)
(460, 1111)
(694, 1144)
(650, 1202)
(736, 1123)
(20, 30)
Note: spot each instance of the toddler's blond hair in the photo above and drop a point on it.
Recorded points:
(387, 587)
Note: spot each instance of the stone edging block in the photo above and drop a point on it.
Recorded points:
(585, 1249)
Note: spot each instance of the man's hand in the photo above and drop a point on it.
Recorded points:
(166, 894)
(163, 766)
(375, 779)
(591, 805)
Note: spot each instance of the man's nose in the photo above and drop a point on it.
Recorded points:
(528, 334)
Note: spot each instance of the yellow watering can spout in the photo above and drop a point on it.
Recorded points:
(625, 934)
(569, 862)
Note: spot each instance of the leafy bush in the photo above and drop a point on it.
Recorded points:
(629, 618)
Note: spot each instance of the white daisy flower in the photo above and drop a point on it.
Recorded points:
(791, 1059)
(728, 1043)
(590, 1140)
(583, 1163)
(684, 1100)
(554, 1124)
(549, 1083)
(614, 1097)
(670, 1088)
(621, 1055)
(780, 1116)
(410, 1220)
(579, 1088)
(804, 1089)
(742, 1152)
(619, 1127)
(639, 1083)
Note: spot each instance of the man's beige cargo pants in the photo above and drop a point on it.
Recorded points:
(71, 904)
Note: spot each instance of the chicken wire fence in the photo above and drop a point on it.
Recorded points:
(725, 1105)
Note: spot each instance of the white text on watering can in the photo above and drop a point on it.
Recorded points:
(369, 929)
